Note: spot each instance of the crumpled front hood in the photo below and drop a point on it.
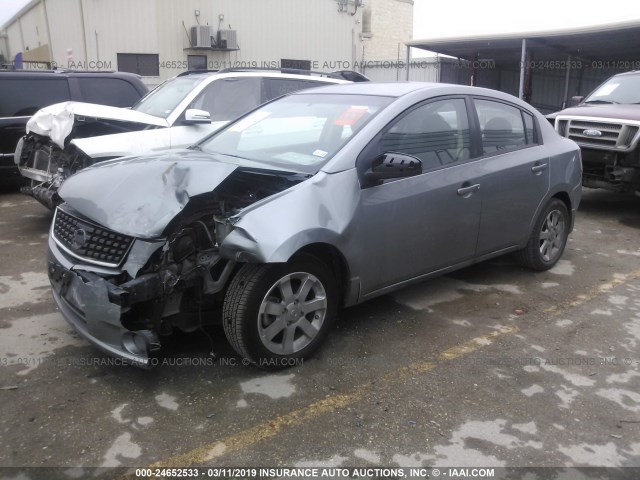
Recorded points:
(56, 121)
(139, 196)
(613, 111)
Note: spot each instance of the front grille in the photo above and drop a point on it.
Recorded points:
(88, 241)
(562, 127)
(630, 135)
(609, 133)
(613, 136)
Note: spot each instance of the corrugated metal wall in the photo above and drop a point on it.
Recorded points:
(120, 26)
(14, 40)
(33, 27)
(268, 30)
(28, 34)
(90, 34)
(547, 86)
(66, 30)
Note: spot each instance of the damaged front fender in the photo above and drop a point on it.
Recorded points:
(274, 230)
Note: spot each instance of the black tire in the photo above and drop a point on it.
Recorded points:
(247, 311)
(533, 256)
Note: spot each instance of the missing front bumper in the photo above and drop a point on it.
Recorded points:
(86, 301)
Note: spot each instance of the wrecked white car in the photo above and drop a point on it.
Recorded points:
(67, 137)
(318, 200)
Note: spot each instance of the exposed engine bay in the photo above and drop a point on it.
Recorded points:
(156, 286)
(190, 265)
(48, 165)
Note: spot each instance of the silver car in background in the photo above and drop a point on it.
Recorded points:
(319, 200)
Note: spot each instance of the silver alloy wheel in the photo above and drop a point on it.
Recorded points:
(552, 236)
(292, 313)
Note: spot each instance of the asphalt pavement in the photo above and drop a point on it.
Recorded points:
(490, 366)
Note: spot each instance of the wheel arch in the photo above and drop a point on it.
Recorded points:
(338, 264)
(562, 194)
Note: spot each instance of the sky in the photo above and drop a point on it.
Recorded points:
(8, 8)
(450, 18)
(438, 18)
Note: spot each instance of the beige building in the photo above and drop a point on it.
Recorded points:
(160, 38)
(387, 26)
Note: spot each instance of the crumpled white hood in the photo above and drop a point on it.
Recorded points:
(56, 121)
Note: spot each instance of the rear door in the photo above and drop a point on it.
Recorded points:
(516, 173)
(19, 99)
(225, 99)
(105, 90)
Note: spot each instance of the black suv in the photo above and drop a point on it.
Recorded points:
(23, 93)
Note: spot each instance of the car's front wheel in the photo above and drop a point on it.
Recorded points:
(276, 314)
(549, 237)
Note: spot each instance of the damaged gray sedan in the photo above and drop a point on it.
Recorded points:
(319, 200)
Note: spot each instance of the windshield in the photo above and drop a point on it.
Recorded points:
(164, 99)
(621, 89)
(298, 132)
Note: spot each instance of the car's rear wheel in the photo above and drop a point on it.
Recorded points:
(276, 314)
(548, 239)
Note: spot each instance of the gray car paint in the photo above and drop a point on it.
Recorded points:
(140, 196)
(518, 193)
(390, 235)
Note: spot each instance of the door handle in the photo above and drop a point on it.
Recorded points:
(539, 168)
(467, 191)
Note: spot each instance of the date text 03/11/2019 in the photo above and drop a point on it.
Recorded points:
(312, 472)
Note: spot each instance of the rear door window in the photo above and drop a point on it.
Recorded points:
(108, 91)
(501, 125)
(22, 97)
(228, 98)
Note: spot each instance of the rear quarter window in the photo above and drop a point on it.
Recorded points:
(21, 97)
(108, 91)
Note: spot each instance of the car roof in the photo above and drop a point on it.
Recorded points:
(373, 88)
(400, 89)
(632, 72)
(415, 89)
(64, 73)
(263, 74)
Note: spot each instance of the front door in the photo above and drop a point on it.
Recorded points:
(413, 226)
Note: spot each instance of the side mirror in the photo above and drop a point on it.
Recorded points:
(392, 165)
(193, 116)
(575, 101)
